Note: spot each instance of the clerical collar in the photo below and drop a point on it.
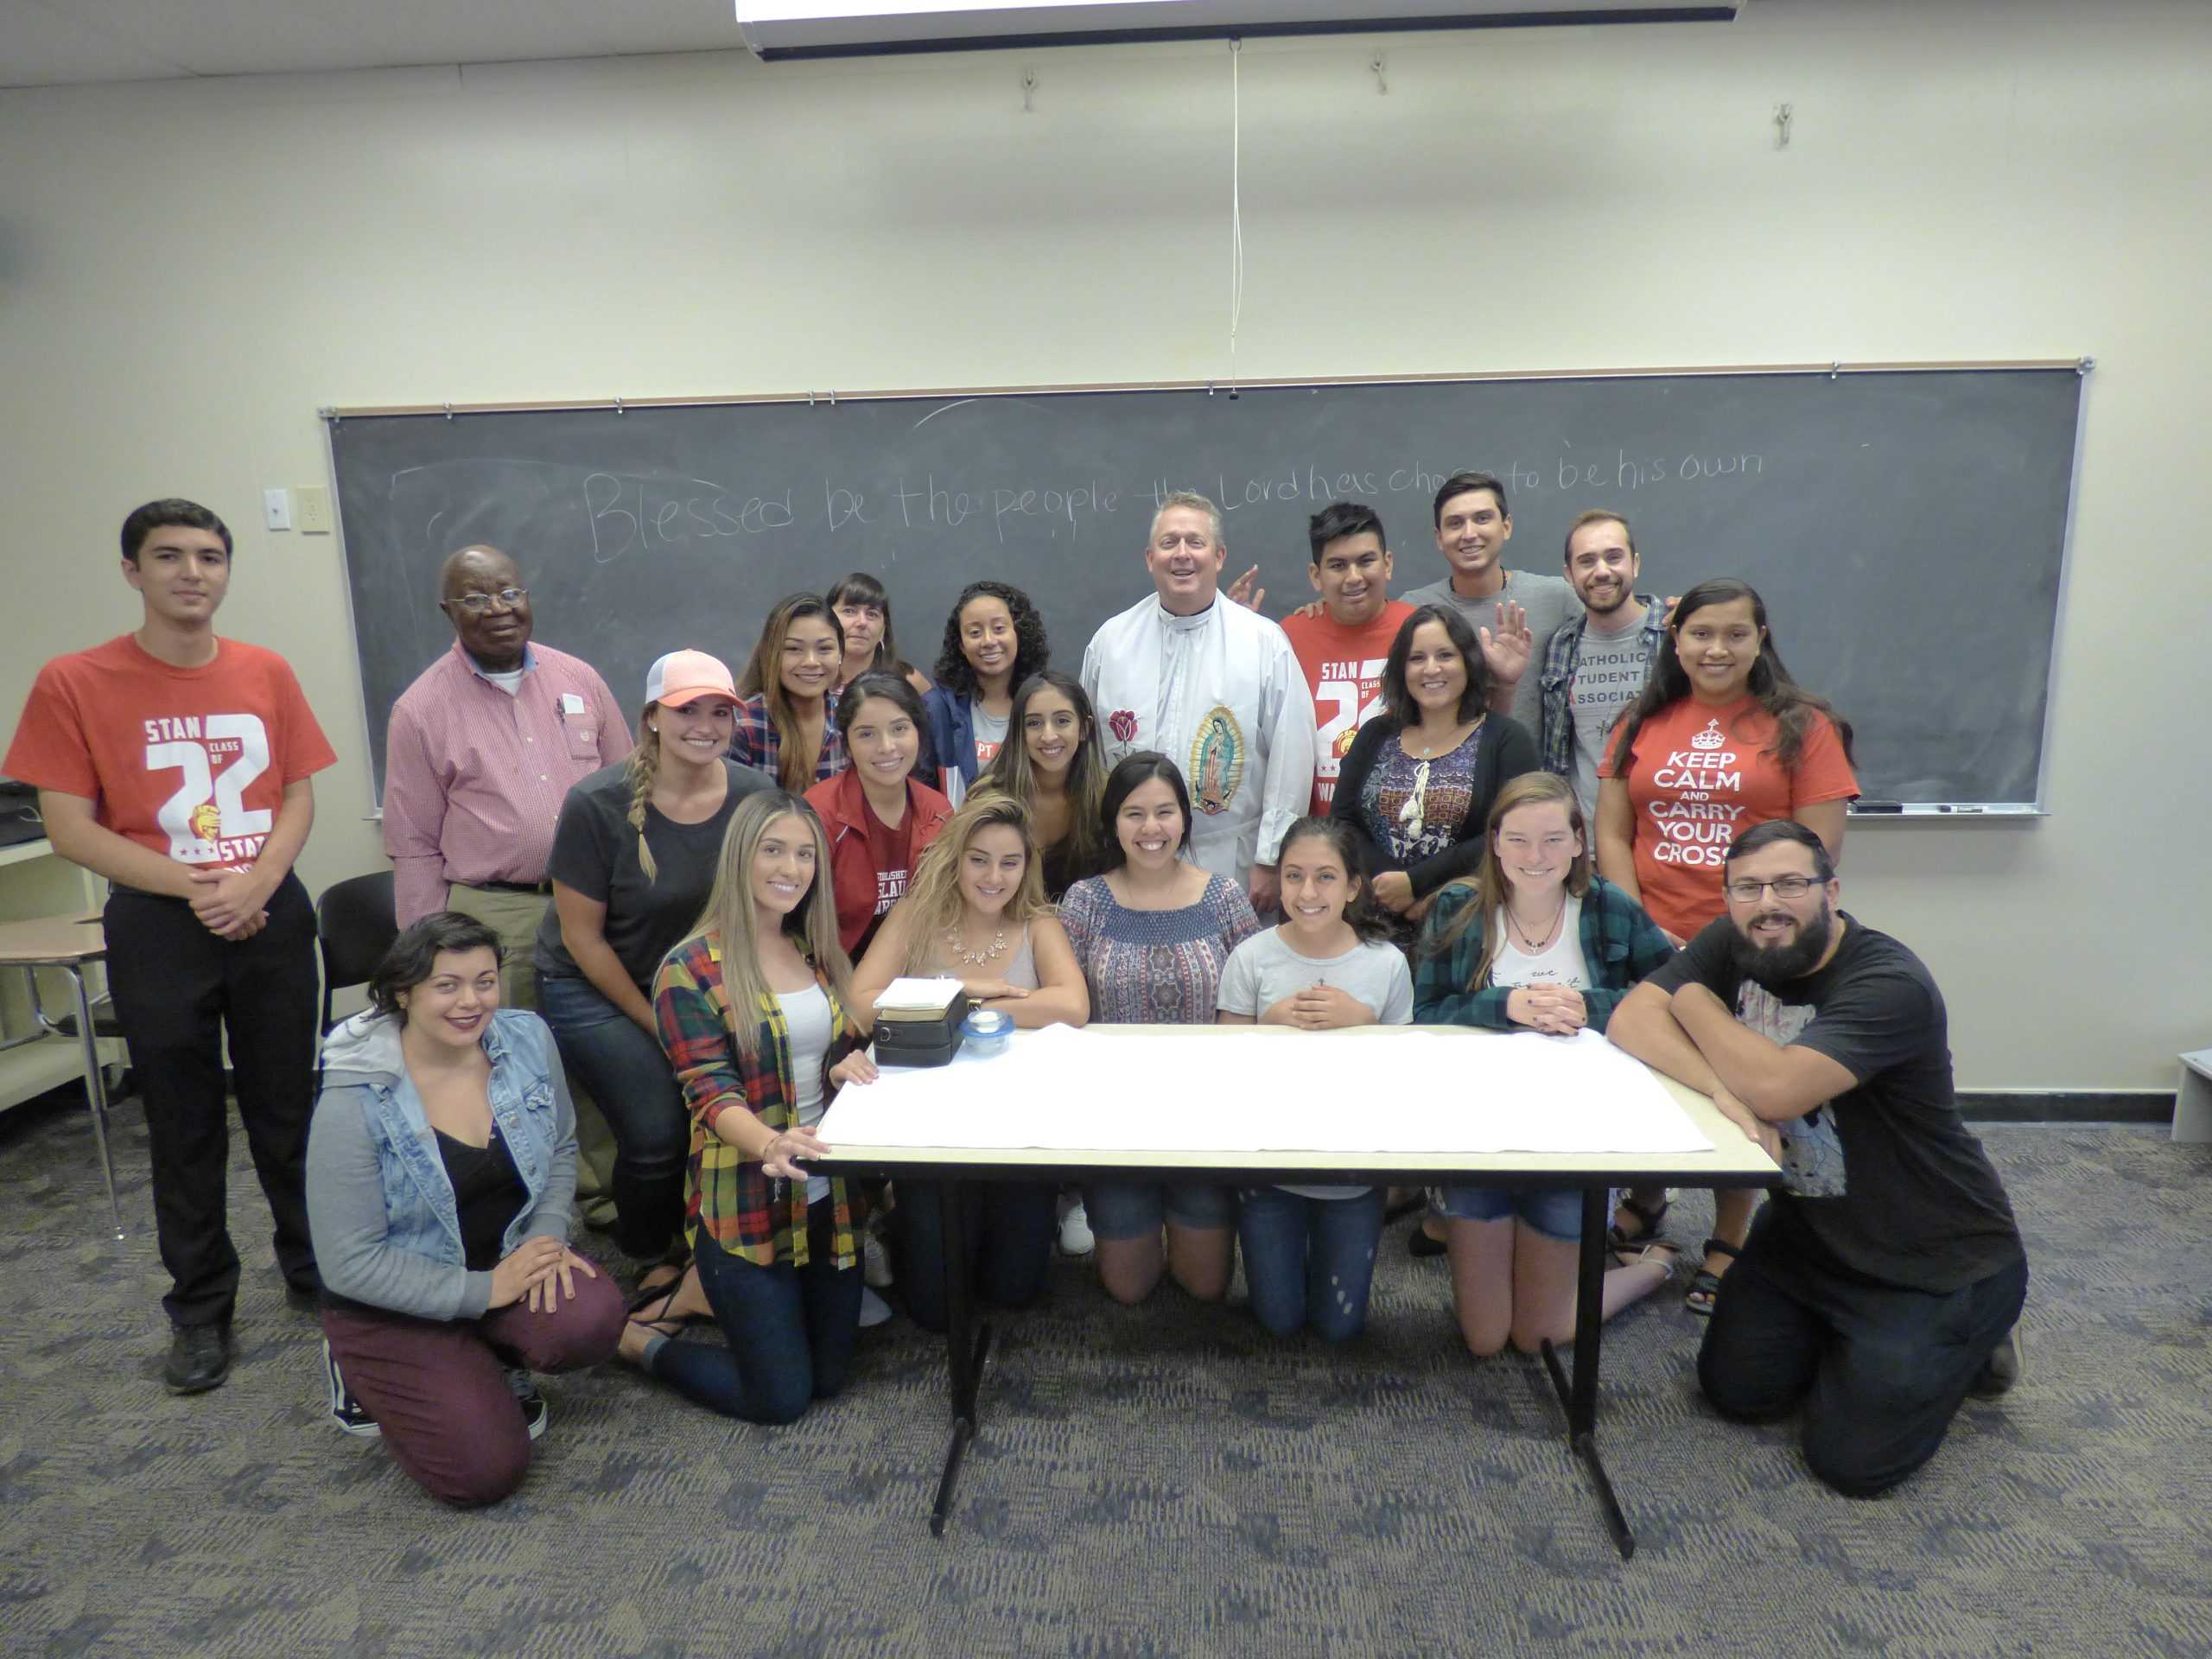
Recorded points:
(1188, 624)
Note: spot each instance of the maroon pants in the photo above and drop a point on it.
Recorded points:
(438, 1389)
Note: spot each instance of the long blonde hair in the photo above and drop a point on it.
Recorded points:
(1490, 885)
(641, 768)
(934, 904)
(731, 921)
(763, 678)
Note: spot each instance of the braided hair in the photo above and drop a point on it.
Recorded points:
(641, 768)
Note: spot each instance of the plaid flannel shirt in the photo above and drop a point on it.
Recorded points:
(757, 743)
(752, 1216)
(1556, 683)
(1620, 945)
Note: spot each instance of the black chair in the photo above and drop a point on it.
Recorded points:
(353, 927)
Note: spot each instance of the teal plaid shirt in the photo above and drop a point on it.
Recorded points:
(1620, 945)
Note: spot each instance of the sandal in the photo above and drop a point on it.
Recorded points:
(1658, 1253)
(1652, 1217)
(1705, 1289)
(663, 1324)
(663, 1297)
(676, 1263)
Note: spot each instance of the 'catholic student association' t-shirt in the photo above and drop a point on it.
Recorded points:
(189, 762)
(1701, 777)
(1885, 1179)
(595, 852)
(1609, 669)
(1344, 670)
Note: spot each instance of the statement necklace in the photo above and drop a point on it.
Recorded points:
(973, 958)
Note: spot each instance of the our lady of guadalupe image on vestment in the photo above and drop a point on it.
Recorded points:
(1217, 760)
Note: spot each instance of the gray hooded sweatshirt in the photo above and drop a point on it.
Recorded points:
(364, 1083)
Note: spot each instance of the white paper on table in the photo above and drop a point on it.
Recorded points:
(918, 996)
(1317, 1091)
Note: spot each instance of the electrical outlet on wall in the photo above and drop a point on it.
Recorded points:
(313, 503)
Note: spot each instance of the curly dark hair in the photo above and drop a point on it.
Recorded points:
(415, 953)
(1031, 653)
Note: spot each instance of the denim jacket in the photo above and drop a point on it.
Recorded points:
(386, 1227)
(949, 745)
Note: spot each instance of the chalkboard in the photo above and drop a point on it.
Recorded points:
(1907, 528)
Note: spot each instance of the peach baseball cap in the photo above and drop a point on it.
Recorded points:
(684, 676)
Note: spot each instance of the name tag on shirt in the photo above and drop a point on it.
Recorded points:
(571, 703)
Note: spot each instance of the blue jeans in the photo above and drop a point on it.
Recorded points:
(1310, 1260)
(627, 1073)
(791, 1330)
(1010, 1228)
(1879, 1369)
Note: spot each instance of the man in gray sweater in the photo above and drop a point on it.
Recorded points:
(1514, 613)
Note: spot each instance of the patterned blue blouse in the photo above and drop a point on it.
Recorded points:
(1156, 967)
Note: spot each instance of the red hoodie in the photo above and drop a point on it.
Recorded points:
(854, 877)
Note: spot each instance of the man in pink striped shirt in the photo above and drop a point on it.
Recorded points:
(480, 752)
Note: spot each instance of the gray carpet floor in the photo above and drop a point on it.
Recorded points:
(1150, 1482)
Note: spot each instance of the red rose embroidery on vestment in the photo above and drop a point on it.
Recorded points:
(1124, 724)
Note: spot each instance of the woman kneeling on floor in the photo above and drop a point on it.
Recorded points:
(977, 912)
(1534, 942)
(752, 1010)
(442, 1174)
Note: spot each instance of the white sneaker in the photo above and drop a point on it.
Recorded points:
(875, 1263)
(874, 1309)
(1075, 1231)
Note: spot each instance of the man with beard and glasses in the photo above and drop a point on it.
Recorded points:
(1598, 659)
(1883, 1284)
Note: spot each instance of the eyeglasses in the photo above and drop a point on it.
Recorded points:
(1785, 887)
(1413, 813)
(507, 598)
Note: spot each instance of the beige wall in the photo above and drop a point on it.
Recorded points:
(190, 270)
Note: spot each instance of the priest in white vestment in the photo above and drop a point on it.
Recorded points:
(1216, 689)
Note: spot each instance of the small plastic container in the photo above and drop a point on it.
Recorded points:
(988, 1031)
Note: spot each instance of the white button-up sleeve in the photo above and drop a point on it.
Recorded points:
(1286, 743)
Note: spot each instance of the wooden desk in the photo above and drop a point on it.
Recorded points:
(1731, 1160)
(37, 882)
(74, 949)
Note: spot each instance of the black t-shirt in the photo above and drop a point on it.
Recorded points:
(1885, 1180)
(488, 1193)
(595, 852)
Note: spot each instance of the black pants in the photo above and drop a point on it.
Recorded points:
(179, 990)
(1881, 1370)
(1010, 1228)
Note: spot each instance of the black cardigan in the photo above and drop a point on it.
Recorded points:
(1507, 752)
